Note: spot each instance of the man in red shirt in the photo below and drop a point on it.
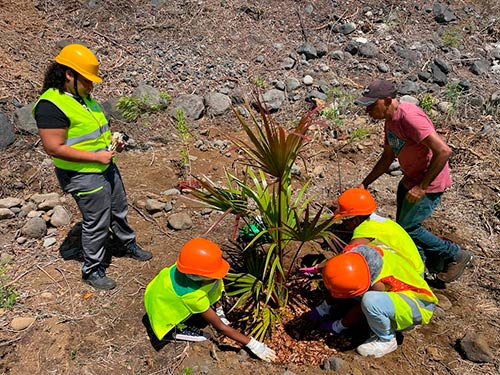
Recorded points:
(423, 156)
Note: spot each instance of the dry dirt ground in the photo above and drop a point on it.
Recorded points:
(82, 331)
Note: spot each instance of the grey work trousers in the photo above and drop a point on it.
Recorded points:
(102, 201)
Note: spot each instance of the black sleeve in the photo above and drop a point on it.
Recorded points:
(48, 116)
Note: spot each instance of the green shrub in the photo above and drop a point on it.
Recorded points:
(131, 107)
(8, 293)
(426, 103)
(260, 82)
(333, 115)
(452, 37)
(359, 134)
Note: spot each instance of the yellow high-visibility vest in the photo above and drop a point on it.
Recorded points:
(88, 129)
(413, 299)
(389, 235)
(171, 298)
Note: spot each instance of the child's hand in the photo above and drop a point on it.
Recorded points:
(261, 350)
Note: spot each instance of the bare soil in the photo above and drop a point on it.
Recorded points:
(79, 330)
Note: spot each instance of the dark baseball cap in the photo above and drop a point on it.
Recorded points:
(379, 89)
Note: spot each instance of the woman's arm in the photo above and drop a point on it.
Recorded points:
(53, 141)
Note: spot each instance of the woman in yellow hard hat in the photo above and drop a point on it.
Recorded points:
(76, 134)
(187, 290)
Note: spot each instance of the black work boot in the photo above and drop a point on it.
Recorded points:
(455, 268)
(99, 280)
(134, 251)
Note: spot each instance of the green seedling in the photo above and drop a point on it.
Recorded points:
(426, 103)
(8, 293)
(183, 133)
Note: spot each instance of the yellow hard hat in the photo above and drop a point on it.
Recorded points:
(80, 59)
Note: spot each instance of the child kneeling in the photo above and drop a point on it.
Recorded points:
(188, 289)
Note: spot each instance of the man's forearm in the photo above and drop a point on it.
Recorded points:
(378, 170)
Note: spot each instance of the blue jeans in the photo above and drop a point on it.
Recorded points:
(435, 252)
(379, 311)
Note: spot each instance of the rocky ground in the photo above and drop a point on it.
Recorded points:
(206, 55)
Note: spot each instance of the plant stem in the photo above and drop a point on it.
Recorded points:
(293, 260)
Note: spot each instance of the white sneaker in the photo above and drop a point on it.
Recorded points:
(191, 334)
(377, 348)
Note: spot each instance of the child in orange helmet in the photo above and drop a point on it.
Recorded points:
(189, 288)
(356, 208)
(393, 296)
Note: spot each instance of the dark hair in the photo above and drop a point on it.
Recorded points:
(55, 77)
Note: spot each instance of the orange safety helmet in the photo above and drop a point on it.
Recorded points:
(354, 202)
(80, 59)
(347, 275)
(202, 257)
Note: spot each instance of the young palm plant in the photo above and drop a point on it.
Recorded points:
(266, 193)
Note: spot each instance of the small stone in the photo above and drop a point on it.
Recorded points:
(394, 166)
(443, 302)
(10, 202)
(153, 206)
(32, 214)
(5, 213)
(180, 221)
(434, 353)
(318, 171)
(21, 240)
(20, 323)
(333, 363)
(48, 242)
(206, 211)
(171, 192)
(59, 217)
(308, 80)
(168, 206)
(475, 348)
(48, 204)
(259, 59)
(34, 228)
(39, 198)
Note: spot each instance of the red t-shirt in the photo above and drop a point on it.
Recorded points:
(404, 133)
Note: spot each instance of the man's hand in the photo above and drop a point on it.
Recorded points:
(415, 194)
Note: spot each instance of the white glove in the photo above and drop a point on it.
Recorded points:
(337, 326)
(261, 350)
(222, 315)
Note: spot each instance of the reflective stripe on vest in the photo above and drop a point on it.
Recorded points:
(412, 306)
(86, 137)
(88, 129)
